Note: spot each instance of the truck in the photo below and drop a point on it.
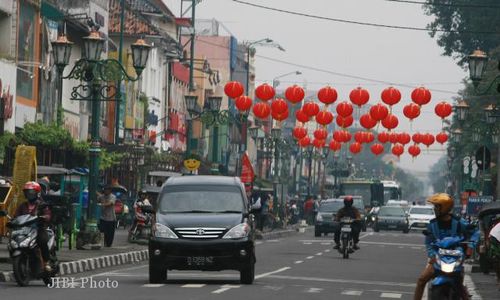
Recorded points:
(392, 190)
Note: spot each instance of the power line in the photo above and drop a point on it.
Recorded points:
(446, 4)
(362, 23)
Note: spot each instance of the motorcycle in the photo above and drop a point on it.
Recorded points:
(346, 240)
(142, 228)
(25, 252)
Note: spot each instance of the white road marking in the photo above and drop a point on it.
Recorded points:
(318, 254)
(310, 257)
(314, 290)
(365, 282)
(417, 248)
(471, 287)
(273, 241)
(400, 247)
(391, 244)
(352, 293)
(425, 296)
(271, 273)
(329, 243)
(193, 285)
(258, 242)
(225, 287)
(307, 243)
(327, 250)
(391, 295)
(299, 262)
(153, 285)
(273, 288)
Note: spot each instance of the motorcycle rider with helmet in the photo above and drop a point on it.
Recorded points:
(35, 206)
(352, 212)
(141, 201)
(444, 225)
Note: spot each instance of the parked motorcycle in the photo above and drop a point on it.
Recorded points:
(25, 252)
(142, 228)
(346, 240)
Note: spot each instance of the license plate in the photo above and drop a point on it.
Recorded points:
(392, 226)
(346, 229)
(199, 260)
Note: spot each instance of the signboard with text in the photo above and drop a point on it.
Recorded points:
(475, 204)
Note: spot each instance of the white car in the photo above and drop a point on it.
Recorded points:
(420, 216)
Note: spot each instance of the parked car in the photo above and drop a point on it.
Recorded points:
(327, 210)
(419, 216)
(391, 218)
(202, 223)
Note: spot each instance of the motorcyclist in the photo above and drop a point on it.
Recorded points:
(352, 212)
(141, 202)
(444, 225)
(35, 206)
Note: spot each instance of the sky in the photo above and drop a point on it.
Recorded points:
(411, 58)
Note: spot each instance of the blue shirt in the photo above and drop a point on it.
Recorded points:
(457, 227)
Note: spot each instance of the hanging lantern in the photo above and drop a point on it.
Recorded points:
(327, 95)
(443, 109)
(359, 137)
(344, 122)
(265, 92)
(262, 110)
(441, 137)
(344, 109)
(279, 116)
(243, 103)
(359, 96)
(367, 121)
(369, 137)
(301, 116)
(299, 132)
(411, 111)
(324, 117)
(391, 96)
(404, 138)
(398, 149)
(233, 89)
(421, 96)
(378, 112)
(294, 94)
(320, 134)
(355, 148)
(393, 137)
(377, 149)
(347, 136)
(390, 122)
(319, 144)
(305, 142)
(279, 106)
(334, 145)
(428, 139)
(383, 137)
(417, 138)
(338, 135)
(414, 150)
(310, 109)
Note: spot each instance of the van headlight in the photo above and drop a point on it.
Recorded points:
(162, 231)
(237, 232)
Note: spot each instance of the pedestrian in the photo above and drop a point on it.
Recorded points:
(107, 223)
(256, 207)
(308, 209)
(315, 210)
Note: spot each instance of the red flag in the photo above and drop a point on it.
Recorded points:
(247, 173)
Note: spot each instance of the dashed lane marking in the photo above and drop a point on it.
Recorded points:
(392, 244)
(391, 295)
(153, 285)
(271, 273)
(299, 262)
(225, 287)
(307, 243)
(352, 293)
(193, 285)
(273, 241)
(318, 254)
(349, 281)
(258, 242)
(310, 257)
(327, 250)
(314, 290)
(328, 243)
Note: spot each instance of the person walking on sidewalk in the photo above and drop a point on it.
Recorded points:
(107, 224)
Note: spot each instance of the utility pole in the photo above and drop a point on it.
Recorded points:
(119, 103)
(193, 36)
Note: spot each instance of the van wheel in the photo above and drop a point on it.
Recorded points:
(406, 230)
(247, 275)
(157, 274)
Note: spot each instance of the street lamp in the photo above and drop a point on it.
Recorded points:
(462, 109)
(276, 81)
(476, 134)
(456, 135)
(262, 42)
(477, 65)
(489, 114)
(95, 75)
(62, 53)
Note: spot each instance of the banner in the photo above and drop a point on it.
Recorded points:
(247, 173)
(475, 204)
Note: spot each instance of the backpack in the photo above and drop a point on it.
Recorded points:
(436, 231)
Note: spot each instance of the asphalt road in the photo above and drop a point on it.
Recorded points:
(296, 267)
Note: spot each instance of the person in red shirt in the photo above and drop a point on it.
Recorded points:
(308, 209)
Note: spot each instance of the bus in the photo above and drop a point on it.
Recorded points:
(392, 190)
(371, 191)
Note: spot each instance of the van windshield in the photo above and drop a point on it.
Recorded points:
(201, 199)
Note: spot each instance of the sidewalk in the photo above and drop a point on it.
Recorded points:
(485, 285)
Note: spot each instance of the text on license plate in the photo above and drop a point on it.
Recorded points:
(199, 260)
(346, 229)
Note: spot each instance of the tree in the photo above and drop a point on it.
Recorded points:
(438, 175)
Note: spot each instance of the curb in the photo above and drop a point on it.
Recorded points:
(90, 264)
(281, 233)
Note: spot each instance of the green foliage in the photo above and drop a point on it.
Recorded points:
(109, 159)
(6, 139)
(48, 136)
(438, 175)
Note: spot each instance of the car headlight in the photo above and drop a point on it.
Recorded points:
(450, 252)
(237, 232)
(319, 218)
(162, 231)
(373, 219)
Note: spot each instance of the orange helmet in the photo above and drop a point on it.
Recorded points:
(443, 201)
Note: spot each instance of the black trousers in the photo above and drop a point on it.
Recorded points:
(108, 228)
(42, 239)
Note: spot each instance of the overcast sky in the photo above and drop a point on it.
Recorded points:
(398, 56)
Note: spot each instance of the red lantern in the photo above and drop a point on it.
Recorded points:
(391, 96)
(367, 121)
(417, 138)
(359, 96)
(404, 138)
(294, 94)
(327, 95)
(347, 136)
(441, 137)
(411, 111)
(377, 149)
(299, 132)
(334, 145)
(264, 92)
(338, 135)
(383, 137)
(304, 142)
(421, 96)
(414, 150)
(359, 137)
(443, 109)
(310, 109)
(390, 122)
(324, 117)
(344, 122)
(319, 143)
(379, 112)
(233, 89)
(243, 103)
(398, 149)
(344, 109)
(279, 116)
(393, 137)
(262, 110)
(369, 137)
(355, 148)
(320, 134)
(428, 139)
(279, 106)
(301, 116)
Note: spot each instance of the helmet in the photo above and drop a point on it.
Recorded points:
(442, 202)
(32, 191)
(348, 200)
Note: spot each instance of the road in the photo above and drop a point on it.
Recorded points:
(296, 267)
